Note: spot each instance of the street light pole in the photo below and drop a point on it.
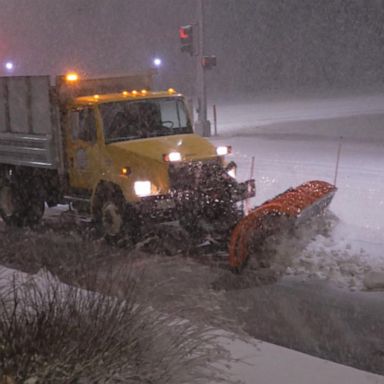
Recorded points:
(202, 125)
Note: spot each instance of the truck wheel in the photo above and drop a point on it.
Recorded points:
(112, 220)
(34, 210)
(19, 210)
(11, 209)
(117, 221)
(110, 214)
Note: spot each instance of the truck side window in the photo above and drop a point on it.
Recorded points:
(174, 112)
(84, 125)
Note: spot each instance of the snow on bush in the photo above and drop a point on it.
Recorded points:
(54, 333)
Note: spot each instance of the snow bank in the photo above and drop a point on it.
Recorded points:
(340, 258)
(374, 280)
(286, 114)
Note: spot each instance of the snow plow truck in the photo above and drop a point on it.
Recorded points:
(127, 156)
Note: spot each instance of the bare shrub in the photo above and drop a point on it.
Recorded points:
(55, 333)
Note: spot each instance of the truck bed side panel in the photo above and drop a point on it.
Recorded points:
(27, 130)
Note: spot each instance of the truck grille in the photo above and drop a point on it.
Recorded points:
(192, 175)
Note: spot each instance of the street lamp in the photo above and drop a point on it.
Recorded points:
(156, 65)
(157, 62)
(9, 66)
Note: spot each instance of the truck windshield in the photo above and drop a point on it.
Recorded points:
(130, 120)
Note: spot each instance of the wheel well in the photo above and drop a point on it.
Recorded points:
(45, 182)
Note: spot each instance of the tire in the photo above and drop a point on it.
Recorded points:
(11, 209)
(34, 210)
(114, 221)
(20, 209)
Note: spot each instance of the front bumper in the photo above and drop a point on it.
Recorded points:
(170, 206)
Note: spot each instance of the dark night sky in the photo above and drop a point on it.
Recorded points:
(260, 44)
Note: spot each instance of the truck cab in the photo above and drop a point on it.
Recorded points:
(125, 138)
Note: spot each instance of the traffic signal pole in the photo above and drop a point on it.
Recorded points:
(194, 45)
(202, 125)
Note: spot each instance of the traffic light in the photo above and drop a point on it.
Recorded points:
(186, 38)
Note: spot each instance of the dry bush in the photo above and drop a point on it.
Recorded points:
(61, 252)
(56, 333)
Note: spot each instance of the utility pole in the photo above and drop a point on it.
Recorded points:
(194, 45)
(202, 125)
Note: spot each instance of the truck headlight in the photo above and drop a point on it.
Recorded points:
(223, 150)
(142, 188)
(172, 156)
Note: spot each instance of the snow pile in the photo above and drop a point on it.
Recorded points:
(334, 260)
(327, 250)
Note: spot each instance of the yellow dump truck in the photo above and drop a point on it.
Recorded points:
(111, 147)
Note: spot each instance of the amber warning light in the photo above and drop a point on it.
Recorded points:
(71, 77)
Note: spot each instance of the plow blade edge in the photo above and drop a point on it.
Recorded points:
(296, 204)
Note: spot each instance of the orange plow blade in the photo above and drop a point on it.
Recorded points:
(296, 204)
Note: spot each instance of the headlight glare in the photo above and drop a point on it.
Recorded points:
(142, 188)
(172, 156)
(223, 150)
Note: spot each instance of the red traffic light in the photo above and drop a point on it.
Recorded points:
(186, 38)
(185, 32)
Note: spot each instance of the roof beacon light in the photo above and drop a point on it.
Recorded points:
(171, 91)
(72, 77)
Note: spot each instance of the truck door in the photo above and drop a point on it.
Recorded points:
(82, 149)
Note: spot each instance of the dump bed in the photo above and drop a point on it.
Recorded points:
(28, 125)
